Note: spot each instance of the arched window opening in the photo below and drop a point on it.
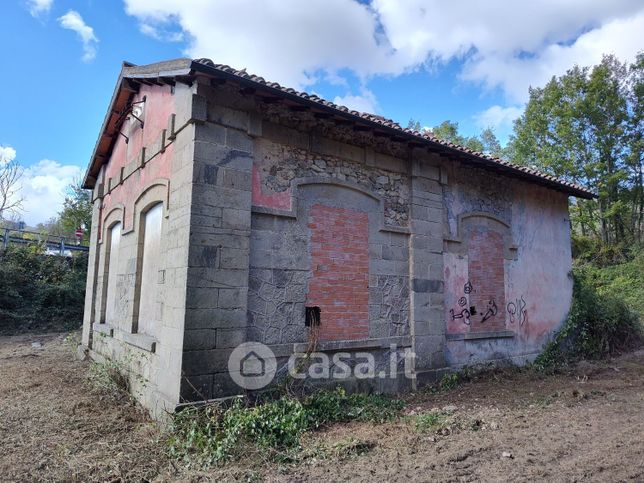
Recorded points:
(111, 269)
(149, 258)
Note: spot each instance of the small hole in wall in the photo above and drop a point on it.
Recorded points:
(312, 318)
(472, 310)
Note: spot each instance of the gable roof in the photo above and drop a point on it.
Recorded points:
(184, 70)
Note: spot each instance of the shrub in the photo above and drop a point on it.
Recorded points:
(214, 433)
(450, 381)
(591, 250)
(278, 424)
(598, 325)
(40, 292)
(109, 379)
(337, 406)
(623, 281)
(430, 421)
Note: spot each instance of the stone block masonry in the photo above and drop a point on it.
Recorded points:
(340, 268)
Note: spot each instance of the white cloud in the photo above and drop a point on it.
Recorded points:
(497, 117)
(514, 74)
(503, 43)
(73, 21)
(510, 44)
(364, 102)
(43, 189)
(288, 41)
(38, 7)
(7, 154)
(159, 34)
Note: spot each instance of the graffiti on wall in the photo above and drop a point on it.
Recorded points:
(517, 311)
(465, 314)
(491, 311)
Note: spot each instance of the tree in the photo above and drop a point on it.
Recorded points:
(636, 99)
(77, 210)
(491, 144)
(51, 227)
(10, 174)
(486, 143)
(586, 127)
(415, 125)
(448, 131)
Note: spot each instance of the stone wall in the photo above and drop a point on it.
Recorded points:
(278, 166)
(256, 270)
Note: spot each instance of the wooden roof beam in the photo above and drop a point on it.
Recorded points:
(269, 99)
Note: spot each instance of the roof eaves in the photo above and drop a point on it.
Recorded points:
(185, 67)
(378, 122)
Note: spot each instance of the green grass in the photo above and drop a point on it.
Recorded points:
(431, 421)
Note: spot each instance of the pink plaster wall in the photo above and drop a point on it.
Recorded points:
(265, 199)
(541, 229)
(158, 107)
(537, 287)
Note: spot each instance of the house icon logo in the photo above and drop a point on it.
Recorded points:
(252, 365)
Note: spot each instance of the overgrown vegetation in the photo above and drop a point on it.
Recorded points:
(599, 324)
(431, 421)
(216, 433)
(615, 271)
(109, 379)
(40, 292)
(450, 381)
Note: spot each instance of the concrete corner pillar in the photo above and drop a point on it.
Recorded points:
(426, 270)
(92, 265)
(218, 261)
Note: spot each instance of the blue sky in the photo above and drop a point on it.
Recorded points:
(470, 62)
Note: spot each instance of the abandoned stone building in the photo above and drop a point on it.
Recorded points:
(229, 209)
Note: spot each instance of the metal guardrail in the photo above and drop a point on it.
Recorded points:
(54, 243)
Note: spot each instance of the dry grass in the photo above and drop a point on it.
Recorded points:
(54, 427)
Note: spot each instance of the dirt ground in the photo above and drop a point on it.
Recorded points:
(510, 425)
